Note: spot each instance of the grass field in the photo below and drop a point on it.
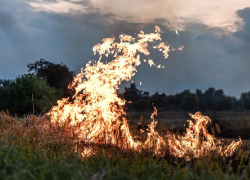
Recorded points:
(26, 153)
(232, 123)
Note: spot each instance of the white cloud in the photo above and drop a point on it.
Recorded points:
(59, 6)
(214, 13)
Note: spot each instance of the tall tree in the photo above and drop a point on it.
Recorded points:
(57, 75)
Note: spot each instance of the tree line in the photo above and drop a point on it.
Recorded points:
(210, 99)
(38, 90)
(46, 82)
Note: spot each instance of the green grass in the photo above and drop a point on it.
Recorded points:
(26, 162)
(26, 153)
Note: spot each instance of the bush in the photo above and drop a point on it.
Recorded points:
(17, 95)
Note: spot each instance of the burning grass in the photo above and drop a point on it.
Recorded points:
(97, 114)
(28, 153)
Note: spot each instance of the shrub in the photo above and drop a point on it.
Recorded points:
(17, 95)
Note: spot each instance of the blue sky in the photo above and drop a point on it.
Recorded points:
(216, 36)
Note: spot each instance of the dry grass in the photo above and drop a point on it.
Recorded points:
(33, 148)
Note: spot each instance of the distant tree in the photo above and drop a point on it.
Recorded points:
(145, 94)
(17, 95)
(132, 93)
(188, 100)
(245, 97)
(210, 92)
(4, 82)
(239, 104)
(219, 93)
(159, 101)
(209, 97)
(199, 93)
(223, 103)
(201, 105)
(172, 102)
(141, 105)
(57, 75)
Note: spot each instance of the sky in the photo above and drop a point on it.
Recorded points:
(215, 34)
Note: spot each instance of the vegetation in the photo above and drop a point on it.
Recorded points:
(37, 91)
(18, 96)
(57, 75)
(26, 153)
(52, 80)
(211, 99)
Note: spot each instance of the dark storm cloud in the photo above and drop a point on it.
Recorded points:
(183, 69)
(243, 49)
(204, 62)
(244, 34)
(211, 57)
(241, 52)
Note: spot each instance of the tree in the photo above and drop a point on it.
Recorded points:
(4, 82)
(245, 97)
(57, 75)
(145, 94)
(219, 93)
(188, 100)
(132, 93)
(209, 97)
(141, 104)
(17, 95)
(159, 101)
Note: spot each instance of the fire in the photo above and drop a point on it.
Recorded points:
(97, 113)
(197, 141)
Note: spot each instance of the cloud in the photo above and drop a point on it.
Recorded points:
(243, 34)
(213, 55)
(58, 6)
(204, 61)
(11, 28)
(15, 44)
(211, 13)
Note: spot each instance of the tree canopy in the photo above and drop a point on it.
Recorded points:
(16, 96)
(57, 75)
(210, 99)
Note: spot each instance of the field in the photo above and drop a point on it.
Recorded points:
(232, 123)
(26, 153)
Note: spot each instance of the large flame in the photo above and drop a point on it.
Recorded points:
(97, 113)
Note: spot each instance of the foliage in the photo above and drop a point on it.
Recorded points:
(4, 82)
(16, 96)
(211, 99)
(132, 93)
(27, 154)
(57, 75)
(245, 97)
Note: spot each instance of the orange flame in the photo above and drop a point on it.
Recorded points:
(197, 141)
(97, 113)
